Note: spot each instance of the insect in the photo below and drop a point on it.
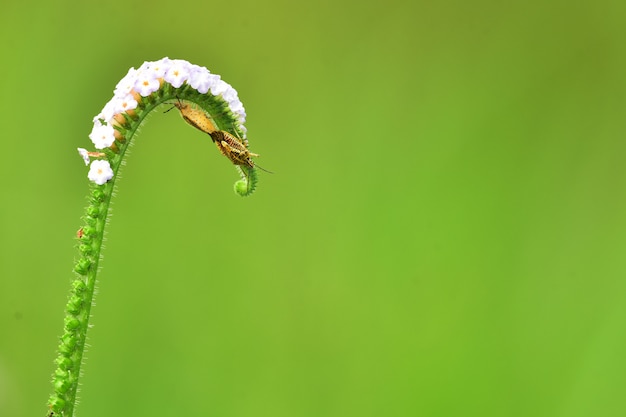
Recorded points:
(80, 233)
(232, 148)
(195, 117)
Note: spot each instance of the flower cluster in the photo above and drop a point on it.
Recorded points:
(142, 82)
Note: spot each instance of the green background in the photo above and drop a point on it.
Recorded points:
(444, 234)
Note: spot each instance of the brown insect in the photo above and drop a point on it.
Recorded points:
(195, 117)
(80, 233)
(232, 148)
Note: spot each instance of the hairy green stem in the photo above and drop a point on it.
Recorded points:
(90, 236)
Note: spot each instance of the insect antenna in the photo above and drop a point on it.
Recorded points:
(180, 103)
(262, 169)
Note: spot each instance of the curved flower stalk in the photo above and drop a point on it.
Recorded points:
(198, 95)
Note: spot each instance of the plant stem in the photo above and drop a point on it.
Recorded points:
(90, 237)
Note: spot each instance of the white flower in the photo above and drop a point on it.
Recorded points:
(102, 136)
(202, 80)
(84, 154)
(230, 94)
(237, 108)
(106, 113)
(100, 172)
(244, 130)
(178, 72)
(145, 66)
(124, 104)
(126, 84)
(219, 87)
(235, 105)
(147, 83)
(158, 68)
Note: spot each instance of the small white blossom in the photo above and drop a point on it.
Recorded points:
(106, 114)
(202, 80)
(145, 66)
(219, 87)
(230, 94)
(97, 119)
(147, 83)
(160, 67)
(102, 136)
(126, 84)
(177, 73)
(124, 104)
(196, 68)
(83, 152)
(235, 105)
(156, 68)
(100, 172)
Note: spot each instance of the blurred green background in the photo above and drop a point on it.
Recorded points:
(444, 234)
